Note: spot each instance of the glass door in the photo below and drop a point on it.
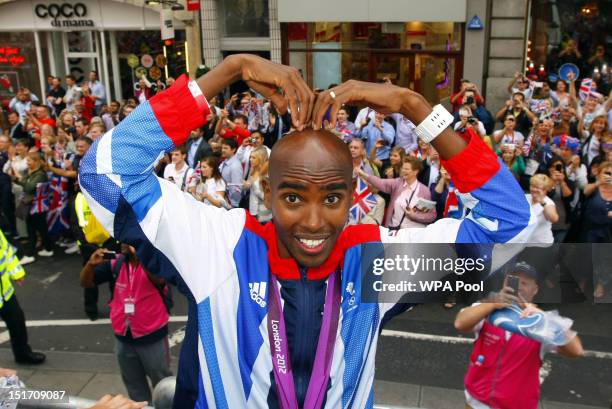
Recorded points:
(81, 50)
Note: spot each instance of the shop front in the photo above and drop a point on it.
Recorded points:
(120, 41)
(426, 57)
(418, 47)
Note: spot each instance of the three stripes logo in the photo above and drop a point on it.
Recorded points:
(258, 292)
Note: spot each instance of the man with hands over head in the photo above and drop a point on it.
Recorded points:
(306, 248)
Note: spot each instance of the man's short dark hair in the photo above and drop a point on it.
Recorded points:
(182, 149)
(71, 77)
(359, 140)
(13, 113)
(242, 117)
(23, 141)
(85, 139)
(82, 120)
(230, 142)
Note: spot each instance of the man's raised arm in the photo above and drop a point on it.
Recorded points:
(499, 211)
(166, 226)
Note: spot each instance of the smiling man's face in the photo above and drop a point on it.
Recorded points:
(309, 193)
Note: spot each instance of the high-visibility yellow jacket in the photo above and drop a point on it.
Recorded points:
(10, 269)
(93, 231)
(82, 210)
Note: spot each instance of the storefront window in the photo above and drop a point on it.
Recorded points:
(422, 56)
(438, 36)
(18, 66)
(568, 31)
(169, 60)
(244, 18)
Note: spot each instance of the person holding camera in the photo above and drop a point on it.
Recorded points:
(508, 134)
(479, 112)
(562, 194)
(517, 107)
(467, 120)
(520, 84)
(504, 366)
(139, 313)
(459, 98)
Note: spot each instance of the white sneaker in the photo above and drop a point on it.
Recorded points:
(72, 249)
(46, 253)
(27, 260)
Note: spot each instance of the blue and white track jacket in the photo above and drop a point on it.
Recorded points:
(222, 256)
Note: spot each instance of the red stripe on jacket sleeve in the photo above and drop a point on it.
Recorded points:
(180, 109)
(474, 166)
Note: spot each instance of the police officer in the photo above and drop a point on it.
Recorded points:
(10, 310)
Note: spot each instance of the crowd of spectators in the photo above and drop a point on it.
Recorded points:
(547, 129)
(556, 141)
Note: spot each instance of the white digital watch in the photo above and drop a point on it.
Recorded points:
(436, 122)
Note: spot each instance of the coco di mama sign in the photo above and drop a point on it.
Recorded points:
(67, 14)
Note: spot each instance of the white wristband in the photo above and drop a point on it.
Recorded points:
(434, 124)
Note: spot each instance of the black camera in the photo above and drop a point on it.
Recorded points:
(559, 167)
(469, 100)
(472, 120)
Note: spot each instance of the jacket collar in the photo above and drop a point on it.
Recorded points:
(288, 269)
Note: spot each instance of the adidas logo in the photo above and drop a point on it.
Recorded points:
(258, 292)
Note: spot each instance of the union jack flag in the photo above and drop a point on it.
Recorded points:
(538, 106)
(453, 207)
(41, 199)
(363, 201)
(587, 88)
(58, 219)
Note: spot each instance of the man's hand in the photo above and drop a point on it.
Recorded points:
(505, 298)
(361, 173)
(97, 257)
(530, 309)
(282, 85)
(117, 402)
(383, 98)
(557, 176)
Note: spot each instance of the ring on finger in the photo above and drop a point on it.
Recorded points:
(332, 94)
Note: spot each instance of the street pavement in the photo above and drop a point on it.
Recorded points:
(421, 358)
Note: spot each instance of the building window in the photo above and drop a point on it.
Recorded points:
(243, 18)
(419, 55)
(568, 31)
(166, 60)
(18, 65)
